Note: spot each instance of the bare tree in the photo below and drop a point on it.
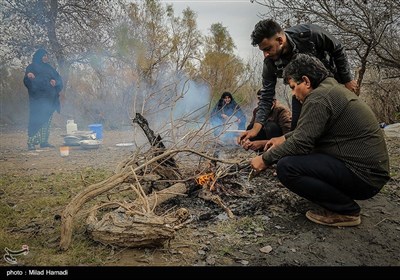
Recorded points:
(68, 29)
(388, 51)
(186, 39)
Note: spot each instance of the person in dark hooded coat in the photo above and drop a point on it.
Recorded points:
(224, 111)
(44, 85)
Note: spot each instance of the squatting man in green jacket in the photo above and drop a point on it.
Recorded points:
(336, 154)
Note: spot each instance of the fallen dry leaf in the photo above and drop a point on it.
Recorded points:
(267, 249)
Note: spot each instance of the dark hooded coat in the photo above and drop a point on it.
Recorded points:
(231, 109)
(44, 99)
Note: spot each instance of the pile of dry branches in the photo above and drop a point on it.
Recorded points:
(135, 224)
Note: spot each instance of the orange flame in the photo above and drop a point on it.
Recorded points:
(206, 179)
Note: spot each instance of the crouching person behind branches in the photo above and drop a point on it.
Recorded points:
(278, 123)
(223, 113)
(337, 153)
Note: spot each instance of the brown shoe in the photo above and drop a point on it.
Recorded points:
(328, 218)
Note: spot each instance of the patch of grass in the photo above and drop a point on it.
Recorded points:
(226, 251)
(242, 224)
(29, 209)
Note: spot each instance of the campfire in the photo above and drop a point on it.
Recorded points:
(207, 181)
(135, 224)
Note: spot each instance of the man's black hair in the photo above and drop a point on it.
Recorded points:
(306, 65)
(264, 29)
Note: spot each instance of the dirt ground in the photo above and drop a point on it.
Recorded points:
(269, 228)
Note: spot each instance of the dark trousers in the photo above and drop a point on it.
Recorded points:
(270, 130)
(325, 181)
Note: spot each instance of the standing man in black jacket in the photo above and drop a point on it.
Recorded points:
(279, 46)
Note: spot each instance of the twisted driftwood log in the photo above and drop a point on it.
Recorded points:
(136, 225)
(127, 176)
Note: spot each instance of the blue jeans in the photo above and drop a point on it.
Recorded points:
(325, 181)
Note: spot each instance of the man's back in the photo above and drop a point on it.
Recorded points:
(345, 128)
(316, 41)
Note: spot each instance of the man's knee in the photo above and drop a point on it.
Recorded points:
(282, 168)
(272, 130)
(286, 170)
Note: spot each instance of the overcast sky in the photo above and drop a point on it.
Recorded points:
(238, 16)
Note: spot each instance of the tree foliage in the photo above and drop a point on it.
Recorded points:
(186, 40)
(220, 41)
(220, 67)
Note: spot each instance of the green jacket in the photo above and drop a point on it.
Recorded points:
(336, 122)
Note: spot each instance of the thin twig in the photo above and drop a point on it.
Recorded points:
(155, 202)
(142, 195)
(183, 224)
(380, 222)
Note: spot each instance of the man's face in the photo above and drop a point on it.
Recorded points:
(300, 90)
(272, 48)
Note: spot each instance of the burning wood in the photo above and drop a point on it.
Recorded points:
(207, 180)
(155, 141)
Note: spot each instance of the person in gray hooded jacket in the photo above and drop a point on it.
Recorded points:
(279, 46)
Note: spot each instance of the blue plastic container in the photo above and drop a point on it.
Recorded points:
(98, 129)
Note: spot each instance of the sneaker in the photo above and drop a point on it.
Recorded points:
(328, 218)
(46, 145)
(31, 147)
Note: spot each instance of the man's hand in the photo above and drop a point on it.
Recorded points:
(249, 133)
(53, 82)
(257, 163)
(224, 116)
(254, 145)
(30, 75)
(352, 85)
(274, 142)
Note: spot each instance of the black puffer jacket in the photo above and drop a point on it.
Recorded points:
(303, 38)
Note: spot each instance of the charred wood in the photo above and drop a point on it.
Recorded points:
(155, 141)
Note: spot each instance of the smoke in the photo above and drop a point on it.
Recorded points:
(193, 102)
(175, 105)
